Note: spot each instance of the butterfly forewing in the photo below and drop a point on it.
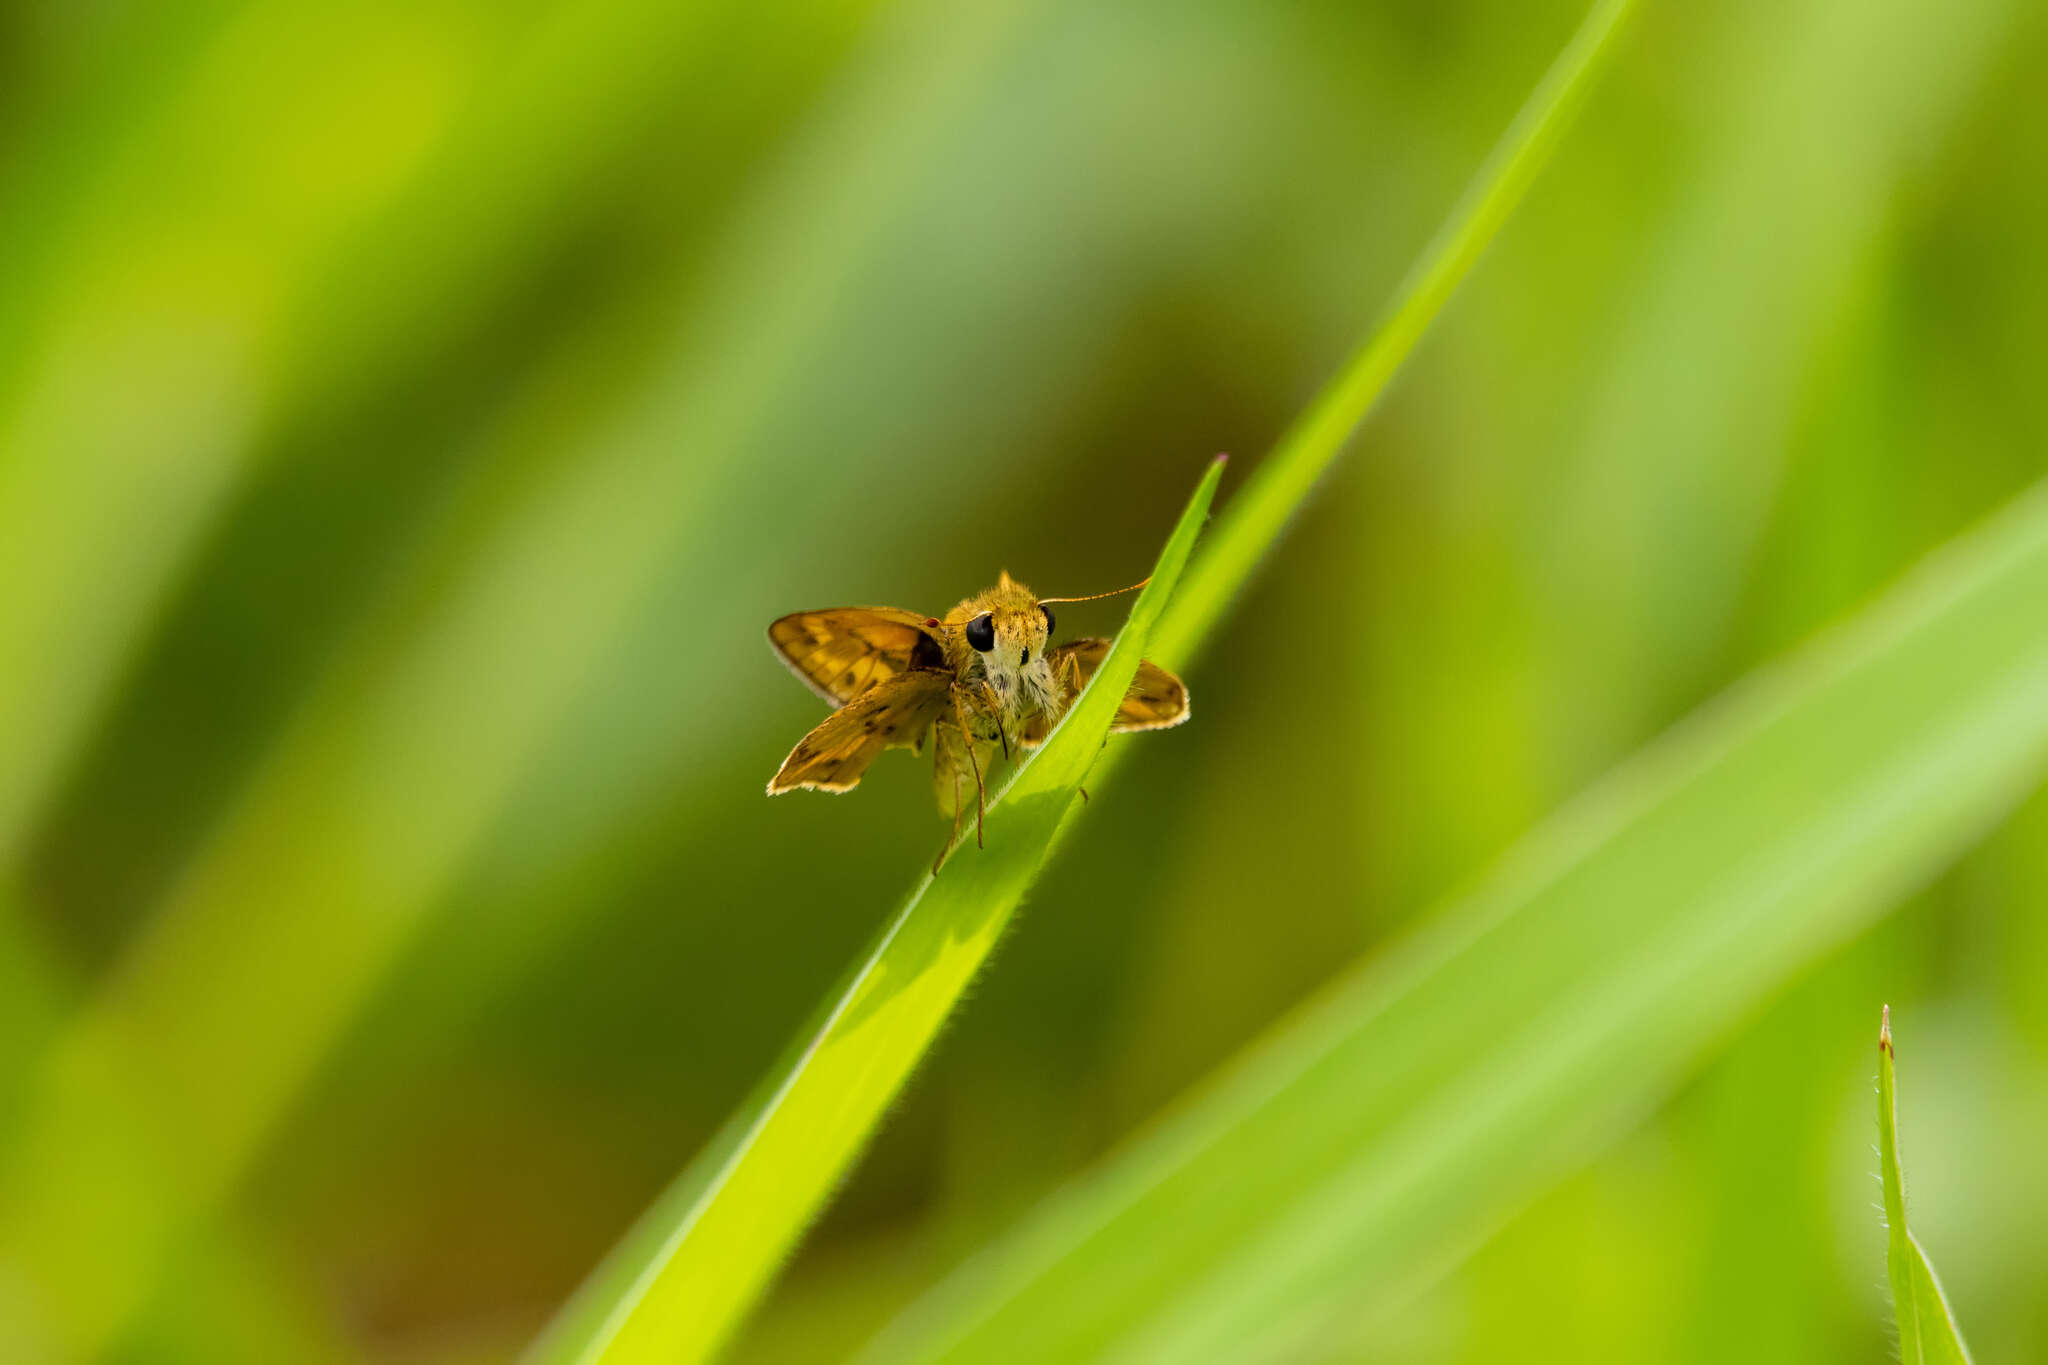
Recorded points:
(841, 652)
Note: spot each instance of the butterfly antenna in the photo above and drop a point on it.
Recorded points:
(1093, 596)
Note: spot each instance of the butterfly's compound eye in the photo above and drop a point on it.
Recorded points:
(1048, 617)
(981, 633)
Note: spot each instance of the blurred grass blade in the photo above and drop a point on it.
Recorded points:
(675, 1285)
(1368, 1142)
(1727, 324)
(649, 1300)
(145, 385)
(1927, 1328)
(681, 1281)
(1260, 510)
(352, 829)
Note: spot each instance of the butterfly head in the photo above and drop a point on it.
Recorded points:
(1006, 632)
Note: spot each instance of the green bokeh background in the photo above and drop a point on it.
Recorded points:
(410, 420)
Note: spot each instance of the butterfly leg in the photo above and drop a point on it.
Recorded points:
(954, 837)
(1070, 688)
(974, 763)
(995, 712)
(949, 777)
(1070, 679)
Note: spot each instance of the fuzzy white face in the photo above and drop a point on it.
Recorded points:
(1015, 665)
(1022, 678)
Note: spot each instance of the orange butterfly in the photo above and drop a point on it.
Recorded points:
(980, 677)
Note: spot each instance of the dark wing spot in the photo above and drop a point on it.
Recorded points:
(926, 653)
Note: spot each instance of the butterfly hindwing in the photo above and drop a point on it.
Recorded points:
(895, 713)
(1155, 699)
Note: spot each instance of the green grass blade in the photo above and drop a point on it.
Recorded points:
(1259, 512)
(1403, 1113)
(1928, 1334)
(1243, 534)
(700, 1258)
